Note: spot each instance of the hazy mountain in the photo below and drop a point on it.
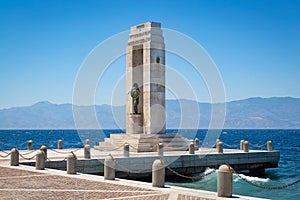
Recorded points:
(277, 112)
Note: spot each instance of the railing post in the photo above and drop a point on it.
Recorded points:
(224, 181)
(44, 149)
(191, 148)
(160, 149)
(220, 147)
(87, 151)
(246, 146)
(158, 173)
(71, 163)
(109, 168)
(217, 141)
(242, 144)
(59, 144)
(126, 150)
(14, 157)
(29, 144)
(40, 160)
(269, 145)
(196, 144)
(87, 141)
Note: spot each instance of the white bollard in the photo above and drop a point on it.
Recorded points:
(59, 144)
(242, 144)
(87, 141)
(217, 140)
(158, 173)
(109, 168)
(87, 151)
(220, 147)
(14, 157)
(40, 160)
(71, 163)
(126, 150)
(196, 142)
(44, 149)
(246, 146)
(191, 148)
(160, 149)
(224, 181)
(29, 144)
(269, 145)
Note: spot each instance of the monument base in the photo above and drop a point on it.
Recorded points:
(144, 142)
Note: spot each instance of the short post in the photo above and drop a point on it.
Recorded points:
(217, 141)
(126, 150)
(44, 149)
(158, 173)
(29, 144)
(224, 181)
(40, 160)
(109, 168)
(269, 145)
(59, 144)
(14, 157)
(71, 163)
(242, 144)
(196, 143)
(191, 148)
(160, 149)
(220, 147)
(87, 141)
(87, 151)
(246, 146)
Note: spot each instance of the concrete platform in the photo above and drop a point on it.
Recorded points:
(138, 165)
(24, 182)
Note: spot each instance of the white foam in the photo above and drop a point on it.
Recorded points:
(251, 178)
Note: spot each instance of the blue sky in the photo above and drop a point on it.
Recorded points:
(255, 44)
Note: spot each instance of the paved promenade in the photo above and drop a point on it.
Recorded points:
(24, 182)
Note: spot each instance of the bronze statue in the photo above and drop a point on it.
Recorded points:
(135, 94)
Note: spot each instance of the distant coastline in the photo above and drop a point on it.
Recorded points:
(254, 113)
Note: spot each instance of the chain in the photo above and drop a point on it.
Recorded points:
(231, 145)
(190, 177)
(110, 150)
(4, 152)
(27, 158)
(5, 155)
(57, 160)
(258, 146)
(29, 152)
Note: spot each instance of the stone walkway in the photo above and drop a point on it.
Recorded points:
(24, 182)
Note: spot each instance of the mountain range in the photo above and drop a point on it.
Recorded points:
(252, 113)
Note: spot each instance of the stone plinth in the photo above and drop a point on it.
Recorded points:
(144, 142)
(135, 124)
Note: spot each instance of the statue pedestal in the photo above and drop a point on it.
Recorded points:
(135, 124)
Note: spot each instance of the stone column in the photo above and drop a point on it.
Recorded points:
(158, 173)
(246, 146)
(44, 149)
(29, 144)
(269, 145)
(196, 144)
(191, 148)
(126, 150)
(59, 144)
(224, 181)
(14, 157)
(109, 168)
(87, 151)
(242, 144)
(220, 147)
(40, 160)
(71, 163)
(160, 149)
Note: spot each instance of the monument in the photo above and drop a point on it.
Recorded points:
(145, 94)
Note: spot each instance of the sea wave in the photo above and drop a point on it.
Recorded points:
(250, 178)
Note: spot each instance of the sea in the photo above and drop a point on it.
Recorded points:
(286, 141)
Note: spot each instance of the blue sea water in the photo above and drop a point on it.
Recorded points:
(287, 141)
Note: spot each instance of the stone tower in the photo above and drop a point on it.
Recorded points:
(145, 66)
(145, 95)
